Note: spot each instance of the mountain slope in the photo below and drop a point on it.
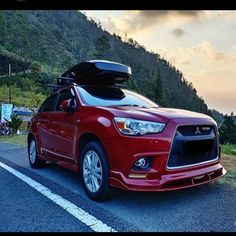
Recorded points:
(56, 40)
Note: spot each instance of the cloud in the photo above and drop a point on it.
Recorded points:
(138, 22)
(178, 32)
(205, 48)
(186, 62)
(204, 53)
(226, 15)
(164, 13)
(111, 24)
(220, 56)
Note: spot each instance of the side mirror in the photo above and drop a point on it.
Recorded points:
(66, 106)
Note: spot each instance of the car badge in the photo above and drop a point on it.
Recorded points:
(197, 131)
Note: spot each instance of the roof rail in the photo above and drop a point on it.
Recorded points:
(65, 80)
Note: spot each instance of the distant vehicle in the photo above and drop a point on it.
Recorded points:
(117, 138)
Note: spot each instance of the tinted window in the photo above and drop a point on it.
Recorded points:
(112, 96)
(49, 104)
(64, 95)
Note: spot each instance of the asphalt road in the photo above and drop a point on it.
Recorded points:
(207, 208)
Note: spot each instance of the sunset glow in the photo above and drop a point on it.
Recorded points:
(202, 44)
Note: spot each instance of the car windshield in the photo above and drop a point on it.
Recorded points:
(112, 96)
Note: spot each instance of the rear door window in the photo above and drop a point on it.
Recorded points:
(49, 104)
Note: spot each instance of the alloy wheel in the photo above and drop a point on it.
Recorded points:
(92, 171)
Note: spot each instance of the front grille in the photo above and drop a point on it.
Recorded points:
(193, 145)
(190, 130)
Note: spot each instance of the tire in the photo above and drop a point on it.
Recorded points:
(95, 175)
(34, 161)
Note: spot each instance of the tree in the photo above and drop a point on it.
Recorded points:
(35, 67)
(158, 89)
(34, 101)
(132, 84)
(102, 47)
(228, 130)
(152, 88)
(2, 28)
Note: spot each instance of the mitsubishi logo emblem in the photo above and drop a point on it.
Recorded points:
(197, 131)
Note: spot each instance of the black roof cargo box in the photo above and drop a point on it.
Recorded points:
(96, 72)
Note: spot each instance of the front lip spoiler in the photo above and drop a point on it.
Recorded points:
(170, 181)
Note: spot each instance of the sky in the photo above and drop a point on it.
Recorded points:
(202, 44)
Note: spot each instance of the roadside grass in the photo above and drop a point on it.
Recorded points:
(228, 160)
(229, 163)
(229, 149)
(228, 157)
(15, 139)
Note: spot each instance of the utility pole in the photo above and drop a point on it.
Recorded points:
(9, 70)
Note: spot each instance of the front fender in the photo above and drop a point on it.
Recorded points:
(103, 128)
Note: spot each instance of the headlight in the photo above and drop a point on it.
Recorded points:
(137, 127)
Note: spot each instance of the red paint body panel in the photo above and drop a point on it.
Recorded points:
(58, 136)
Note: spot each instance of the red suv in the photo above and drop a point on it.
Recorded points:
(116, 137)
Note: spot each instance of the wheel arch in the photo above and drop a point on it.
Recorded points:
(104, 189)
(30, 136)
(84, 139)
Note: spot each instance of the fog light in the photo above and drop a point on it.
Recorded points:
(143, 163)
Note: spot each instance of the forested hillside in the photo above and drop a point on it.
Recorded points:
(40, 45)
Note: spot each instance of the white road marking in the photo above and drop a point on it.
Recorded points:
(80, 214)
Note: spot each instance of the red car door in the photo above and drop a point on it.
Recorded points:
(43, 124)
(62, 129)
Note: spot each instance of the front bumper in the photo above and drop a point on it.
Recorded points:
(123, 151)
(169, 181)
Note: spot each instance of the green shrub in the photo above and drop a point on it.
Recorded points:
(15, 123)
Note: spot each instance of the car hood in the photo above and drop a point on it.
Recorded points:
(154, 114)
